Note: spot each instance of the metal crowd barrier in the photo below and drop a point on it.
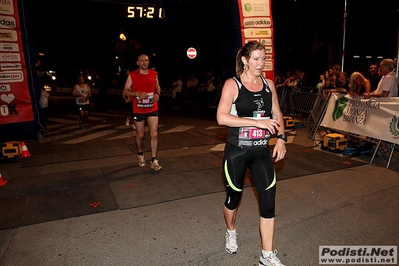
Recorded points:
(297, 100)
(316, 115)
(314, 126)
(311, 101)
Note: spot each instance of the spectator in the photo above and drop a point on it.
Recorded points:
(321, 82)
(334, 81)
(358, 84)
(336, 69)
(330, 72)
(387, 87)
(327, 88)
(373, 76)
(342, 84)
(177, 91)
(192, 87)
(211, 91)
(202, 93)
(43, 101)
(297, 81)
(288, 74)
(129, 106)
(288, 81)
(279, 79)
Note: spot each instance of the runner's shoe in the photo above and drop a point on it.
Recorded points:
(231, 242)
(127, 123)
(270, 260)
(155, 165)
(141, 160)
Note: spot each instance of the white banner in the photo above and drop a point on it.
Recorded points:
(376, 117)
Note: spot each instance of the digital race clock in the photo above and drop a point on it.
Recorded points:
(145, 11)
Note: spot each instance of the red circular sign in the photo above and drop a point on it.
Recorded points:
(191, 53)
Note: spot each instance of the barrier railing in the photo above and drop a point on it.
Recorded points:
(293, 100)
(314, 126)
(316, 116)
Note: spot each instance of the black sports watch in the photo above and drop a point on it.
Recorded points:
(283, 137)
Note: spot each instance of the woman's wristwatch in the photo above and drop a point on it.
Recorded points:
(283, 137)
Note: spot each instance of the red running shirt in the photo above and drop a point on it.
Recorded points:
(144, 83)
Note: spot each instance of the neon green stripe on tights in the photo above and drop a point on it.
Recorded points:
(226, 172)
(273, 183)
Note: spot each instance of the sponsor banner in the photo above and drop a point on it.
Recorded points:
(269, 49)
(376, 117)
(9, 47)
(255, 8)
(257, 22)
(15, 102)
(7, 7)
(5, 87)
(257, 33)
(269, 66)
(7, 22)
(10, 66)
(364, 255)
(10, 57)
(257, 25)
(11, 76)
(8, 35)
(266, 41)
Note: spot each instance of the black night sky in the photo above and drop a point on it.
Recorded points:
(307, 34)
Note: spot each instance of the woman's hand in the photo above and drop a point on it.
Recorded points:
(271, 125)
(279, 150)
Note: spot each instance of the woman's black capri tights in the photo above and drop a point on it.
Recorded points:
(260, 165)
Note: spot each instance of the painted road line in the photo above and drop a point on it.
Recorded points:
(63, 121)
(220, 127)
(107, 114)
(130, 134)
(177, 129)
(90, 137)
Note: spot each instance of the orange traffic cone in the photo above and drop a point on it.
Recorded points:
(24, 151)
(2, 182)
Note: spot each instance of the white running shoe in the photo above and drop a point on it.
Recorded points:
(270, 260)
(141, 160)
(231, 242)
(155, 165)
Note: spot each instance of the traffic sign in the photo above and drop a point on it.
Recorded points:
(191, 53)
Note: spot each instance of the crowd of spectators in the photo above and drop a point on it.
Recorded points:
(358, 83)
(379, 80)
(195, 88)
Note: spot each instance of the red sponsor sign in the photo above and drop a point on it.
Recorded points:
(257, 25)
(15, 101)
